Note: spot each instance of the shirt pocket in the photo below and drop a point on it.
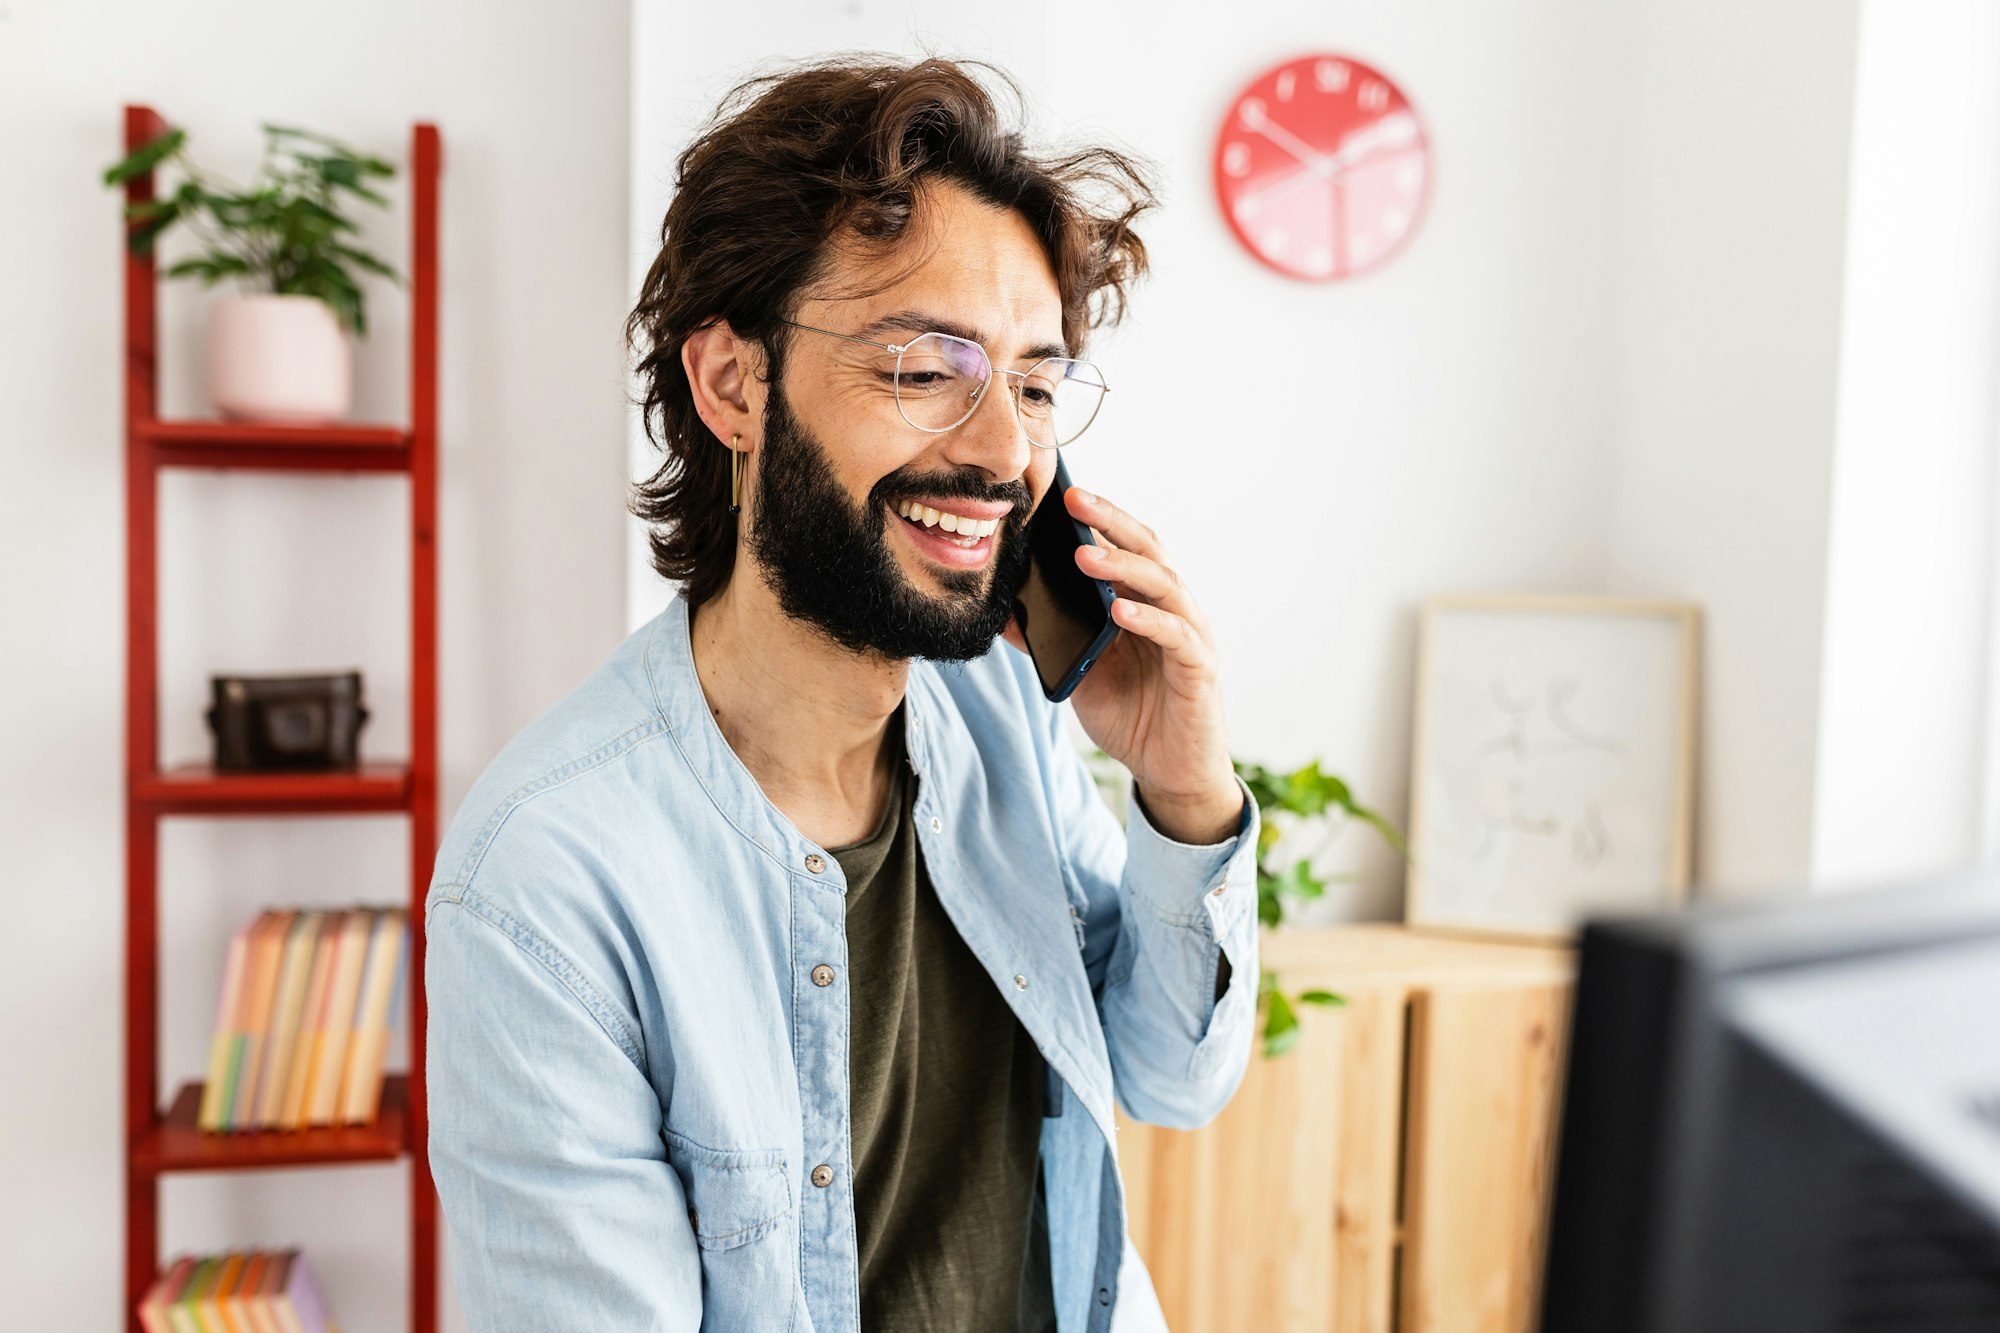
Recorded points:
(736, 1196)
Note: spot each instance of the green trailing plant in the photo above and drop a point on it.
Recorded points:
(1304, 797)
(284, 233)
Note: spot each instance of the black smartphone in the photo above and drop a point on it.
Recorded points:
(1065, 614)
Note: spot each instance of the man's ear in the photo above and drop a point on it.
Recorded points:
(723, 372)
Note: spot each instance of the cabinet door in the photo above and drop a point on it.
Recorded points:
(1281, 1214)
(1484, 1084)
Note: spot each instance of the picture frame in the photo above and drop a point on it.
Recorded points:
(1552, 761)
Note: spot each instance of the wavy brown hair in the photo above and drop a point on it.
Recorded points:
(834, 150)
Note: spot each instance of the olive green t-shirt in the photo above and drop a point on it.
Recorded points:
(945, 1105)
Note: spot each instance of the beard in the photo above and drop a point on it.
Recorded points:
(830, 566)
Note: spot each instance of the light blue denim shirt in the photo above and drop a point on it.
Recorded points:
(638, 1085)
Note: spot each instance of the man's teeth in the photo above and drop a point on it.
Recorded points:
(969, 530)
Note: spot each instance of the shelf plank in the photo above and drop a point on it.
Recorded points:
(339, 446)
(175, 1144)
(199, 789)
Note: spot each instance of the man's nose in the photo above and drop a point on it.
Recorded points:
(993, 437)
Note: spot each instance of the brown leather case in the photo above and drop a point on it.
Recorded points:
(265, 723)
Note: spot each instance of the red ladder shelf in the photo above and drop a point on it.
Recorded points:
(161, 1139)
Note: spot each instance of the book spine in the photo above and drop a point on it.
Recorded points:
(222, 1043)
(371, 1105)
(270, 949)
(352, 1067)
(365, 1064)
(325, 1108)
(153, 1309)
(181, 1314)
(289, 996)
(298, 1066)
(308, 1303)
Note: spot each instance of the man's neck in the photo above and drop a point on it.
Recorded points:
(808, 718)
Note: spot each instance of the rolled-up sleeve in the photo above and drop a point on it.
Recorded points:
(545, 1140)
(1159, 917)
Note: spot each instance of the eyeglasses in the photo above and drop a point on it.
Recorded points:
(939, 379)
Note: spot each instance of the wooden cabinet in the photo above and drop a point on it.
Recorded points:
(1391, 1172)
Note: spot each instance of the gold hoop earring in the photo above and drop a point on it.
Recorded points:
(735, 474)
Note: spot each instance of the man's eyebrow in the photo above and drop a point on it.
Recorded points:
(918, 321)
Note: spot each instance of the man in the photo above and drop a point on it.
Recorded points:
(783, 975)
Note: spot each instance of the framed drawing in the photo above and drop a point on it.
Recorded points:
(1552, 767)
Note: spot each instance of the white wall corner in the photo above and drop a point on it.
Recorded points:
(1906, 733)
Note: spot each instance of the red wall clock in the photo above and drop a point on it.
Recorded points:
(1322, 167)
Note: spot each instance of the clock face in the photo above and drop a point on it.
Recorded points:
(1322, 168)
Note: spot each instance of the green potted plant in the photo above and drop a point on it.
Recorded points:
(278, 347)
(1303, 798)
(1306, 798)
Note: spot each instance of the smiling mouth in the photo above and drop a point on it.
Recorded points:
(965, 533)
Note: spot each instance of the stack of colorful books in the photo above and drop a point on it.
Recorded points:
(263, 1292)
(309, 998)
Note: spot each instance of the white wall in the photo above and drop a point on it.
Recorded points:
(1901, 773)
(1731, 264)
(270, 572)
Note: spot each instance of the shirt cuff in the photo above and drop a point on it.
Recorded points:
(1189, 884)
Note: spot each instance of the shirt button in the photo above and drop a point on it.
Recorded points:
(822, 1175)
(815, 862)
(1217, 890)
(822, 975)
(1020, 982)
(936, 824)
(1104, 1295)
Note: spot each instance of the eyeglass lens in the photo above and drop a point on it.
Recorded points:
(940, 378)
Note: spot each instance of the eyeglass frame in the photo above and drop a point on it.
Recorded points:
(979, 397)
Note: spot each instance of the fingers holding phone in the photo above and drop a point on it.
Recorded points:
(1152, 599)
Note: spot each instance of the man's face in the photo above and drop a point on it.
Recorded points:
(837, 462)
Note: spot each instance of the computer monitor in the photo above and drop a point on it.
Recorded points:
(1784, 1116)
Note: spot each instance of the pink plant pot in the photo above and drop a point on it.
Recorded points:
(278, 358)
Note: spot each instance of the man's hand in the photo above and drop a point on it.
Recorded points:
(1153, 701)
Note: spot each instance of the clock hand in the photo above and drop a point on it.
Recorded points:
(1364, 159)
(1272, 193)
(1298, 148)
(1389, 135)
